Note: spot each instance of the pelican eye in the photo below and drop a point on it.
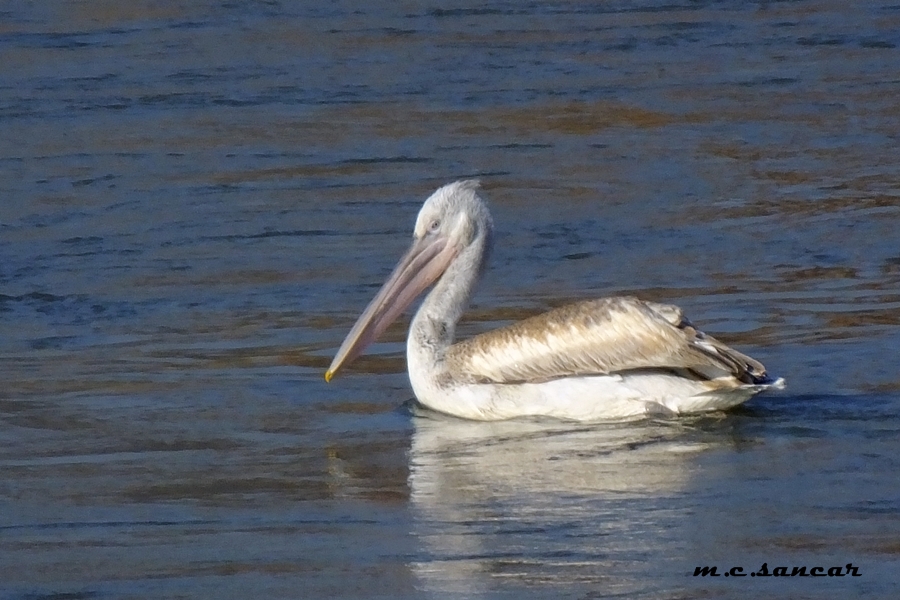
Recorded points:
(434, 226)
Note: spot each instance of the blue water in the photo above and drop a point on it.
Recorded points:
(197, 200)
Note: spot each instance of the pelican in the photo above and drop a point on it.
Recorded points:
(608, 358)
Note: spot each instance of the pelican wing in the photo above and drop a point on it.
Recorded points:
(595, 337)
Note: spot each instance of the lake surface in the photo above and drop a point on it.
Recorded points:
(199, 198)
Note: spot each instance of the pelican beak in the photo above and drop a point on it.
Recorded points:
(423, 263)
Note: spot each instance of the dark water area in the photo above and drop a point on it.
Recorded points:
(197, 199)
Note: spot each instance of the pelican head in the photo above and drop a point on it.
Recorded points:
(450, 222)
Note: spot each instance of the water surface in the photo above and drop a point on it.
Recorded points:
(198, 199)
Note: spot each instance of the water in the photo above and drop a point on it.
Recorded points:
(197, 200)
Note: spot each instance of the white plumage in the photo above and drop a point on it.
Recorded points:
(599, 359)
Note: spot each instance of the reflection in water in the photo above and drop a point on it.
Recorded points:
(545, 503)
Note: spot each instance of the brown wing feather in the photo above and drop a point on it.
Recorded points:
(602, 336)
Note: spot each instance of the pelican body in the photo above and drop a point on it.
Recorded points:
(608, 358)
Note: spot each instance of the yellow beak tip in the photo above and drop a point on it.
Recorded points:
(328, 375)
